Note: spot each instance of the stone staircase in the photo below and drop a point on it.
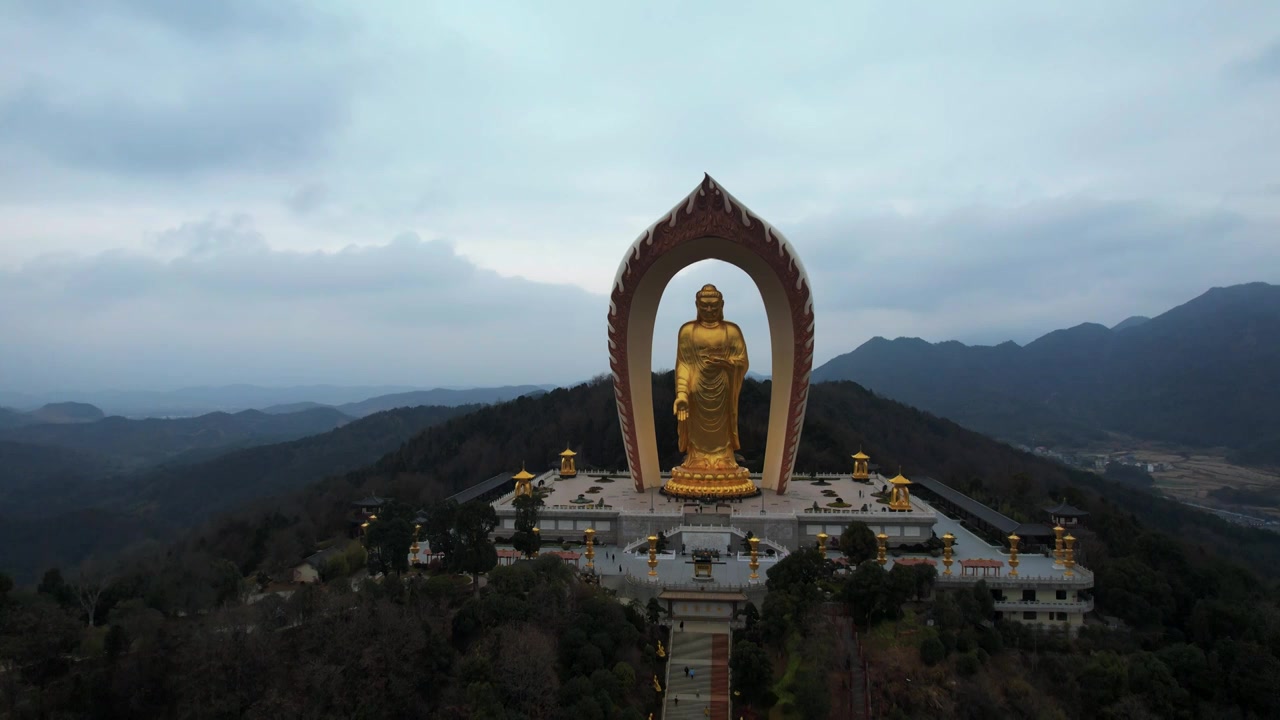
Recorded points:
(704, 649)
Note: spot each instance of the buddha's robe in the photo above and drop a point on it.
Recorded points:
(709, 435)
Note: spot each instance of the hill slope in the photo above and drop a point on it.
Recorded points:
(439, 397)
(137, 443)
(93, 511)
(1206, 373)
(841, 418)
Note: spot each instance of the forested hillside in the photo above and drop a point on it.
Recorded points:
(138, 443)
(73, 505)
(1204, 374)
(842, 417)
(1200, 637)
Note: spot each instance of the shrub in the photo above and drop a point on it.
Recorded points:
(967, 664)
(932, 651)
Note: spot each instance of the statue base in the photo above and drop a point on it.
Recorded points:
(717, 484)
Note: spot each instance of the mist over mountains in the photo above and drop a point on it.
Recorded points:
(1203, 374)
(186, 402)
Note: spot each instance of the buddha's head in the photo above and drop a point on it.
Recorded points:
(710, 304)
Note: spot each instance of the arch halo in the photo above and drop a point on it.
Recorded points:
(710, 224)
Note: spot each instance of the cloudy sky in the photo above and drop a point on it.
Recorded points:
(357, 193)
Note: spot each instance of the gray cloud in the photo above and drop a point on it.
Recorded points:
(1263, 64)
(970, 173)
(192, 18)
(250, 127)
(1013, 274)
(230, 308)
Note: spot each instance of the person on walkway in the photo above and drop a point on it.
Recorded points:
(681, 626)
(693, 673)
(686, 671)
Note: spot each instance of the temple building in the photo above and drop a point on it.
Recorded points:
(1067, 516)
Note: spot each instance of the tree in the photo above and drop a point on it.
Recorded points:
(524, 539)
(54, 585)
(473, 551)
(439, 529)
(803, 567)
(387, 542)
(752, 671)
(654, 611)
(858, 543)
(88, 592)
(870, 594)
(812, 697)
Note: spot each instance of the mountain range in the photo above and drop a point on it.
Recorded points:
(131, 444)
(1203, 374)
(439, 397)
(186, 402)
(59, 506)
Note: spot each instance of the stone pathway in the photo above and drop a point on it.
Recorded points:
(703, 647)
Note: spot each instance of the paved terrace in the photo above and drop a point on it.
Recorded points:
(620, 495)
(969, 546)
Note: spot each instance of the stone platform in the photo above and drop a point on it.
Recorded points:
(620, 515)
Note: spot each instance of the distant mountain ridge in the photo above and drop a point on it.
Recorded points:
(1205, 373)
(51, 413)
(438, 397)
(58, 506)
(136, 443)
(193, 401)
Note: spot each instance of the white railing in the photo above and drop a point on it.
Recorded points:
(877, 513)
(1082, 579)
(1083, 605)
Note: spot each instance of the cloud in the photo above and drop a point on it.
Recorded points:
(192, 18)
(1264, 64)
(218, 126)
(152, 88)
(215, 303)
(971, 174)
(988, 275)
(229, 308)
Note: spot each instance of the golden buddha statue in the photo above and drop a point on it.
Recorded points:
(711, 363)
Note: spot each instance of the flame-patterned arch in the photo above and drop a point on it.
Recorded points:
(710, 224)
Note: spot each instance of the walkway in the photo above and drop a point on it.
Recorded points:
(703, 647)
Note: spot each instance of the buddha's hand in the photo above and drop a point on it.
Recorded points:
(681, 408)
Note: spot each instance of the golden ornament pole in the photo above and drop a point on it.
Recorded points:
(662, 652)
(946, 552)
(1013, 554)
(537, 538)
(755, 557)
(1070, 560)
(881, 540)
(653, 557)
(822, 541)
(591, 550)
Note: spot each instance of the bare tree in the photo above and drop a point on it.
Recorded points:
(89, 587)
